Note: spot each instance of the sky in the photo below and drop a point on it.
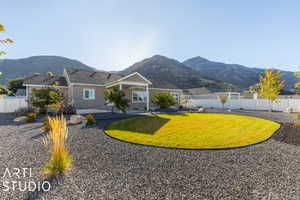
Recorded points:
(112, 35)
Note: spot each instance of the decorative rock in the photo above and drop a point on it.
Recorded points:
(77, 119)
(288, 110)
(202, 110)
(21, 119)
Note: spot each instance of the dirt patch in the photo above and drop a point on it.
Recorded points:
(288, 133)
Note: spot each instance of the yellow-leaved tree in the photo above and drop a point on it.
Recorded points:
(4, 41)
(270, 85)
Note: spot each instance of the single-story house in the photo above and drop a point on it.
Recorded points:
(85, 89)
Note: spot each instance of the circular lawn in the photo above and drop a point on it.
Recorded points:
(193, 130)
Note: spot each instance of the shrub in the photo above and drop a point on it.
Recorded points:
(163, 100)
(60, 161)
(117, 98)
(46, 124)
(41, 98)
(69, 110)
(31, 117)
(298, 115)
(54, 108)
(3, 90)
(296, 123)
(90, 119)
(25, 110)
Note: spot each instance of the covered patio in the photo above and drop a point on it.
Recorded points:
(137, 90)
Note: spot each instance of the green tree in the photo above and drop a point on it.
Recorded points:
(223, 99)
(270, 85)
(14, 85)
(117, 98)
(4, 90)
(254, 88)
(5, 41)
(46, 97)
(163, 100)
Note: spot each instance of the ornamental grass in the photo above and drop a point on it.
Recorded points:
(60, 161)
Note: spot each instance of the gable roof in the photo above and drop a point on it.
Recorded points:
(45, 79)
(81, 76)
(133, 74)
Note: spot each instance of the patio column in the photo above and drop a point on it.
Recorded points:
(147, 93)
(120, 87)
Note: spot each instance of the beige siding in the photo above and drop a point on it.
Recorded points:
(135, 78)
(81, 103)
(75, 93)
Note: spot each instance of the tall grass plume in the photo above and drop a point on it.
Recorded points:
(60, 161)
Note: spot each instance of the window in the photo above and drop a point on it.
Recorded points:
(139, 96)
(175, 95)
(88, 94)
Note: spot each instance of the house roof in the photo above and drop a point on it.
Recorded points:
(91, 77)
(45, 79)
(81, 76)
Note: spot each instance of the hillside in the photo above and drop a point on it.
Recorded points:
(14, 68)
(238, 75)
(169, 73)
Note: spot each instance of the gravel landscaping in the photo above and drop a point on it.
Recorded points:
(105, 168)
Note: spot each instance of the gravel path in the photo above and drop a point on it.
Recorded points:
(109, 169)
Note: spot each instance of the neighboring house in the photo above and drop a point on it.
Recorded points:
(85, 89)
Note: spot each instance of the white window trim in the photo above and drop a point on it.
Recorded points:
(88, 89)
(134, 101)
(177, 94)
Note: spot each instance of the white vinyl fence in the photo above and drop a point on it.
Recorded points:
(11, 104)
(247, 104)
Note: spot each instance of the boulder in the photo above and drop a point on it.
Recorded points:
(202, 110)
(288, 110)
(77, 119)
(21, 119)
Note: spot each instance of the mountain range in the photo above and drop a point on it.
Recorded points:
(192, 73)
(238, 75)
(174, 74)
(15, 68)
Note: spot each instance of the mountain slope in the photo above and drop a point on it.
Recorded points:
(14, 68)
(170, 73)
(238, 75)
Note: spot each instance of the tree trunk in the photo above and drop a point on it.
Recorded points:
(112, 109)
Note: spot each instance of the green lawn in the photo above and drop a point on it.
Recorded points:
(193, 130)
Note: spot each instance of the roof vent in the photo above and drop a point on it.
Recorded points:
(75, 70)
(92, 74)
